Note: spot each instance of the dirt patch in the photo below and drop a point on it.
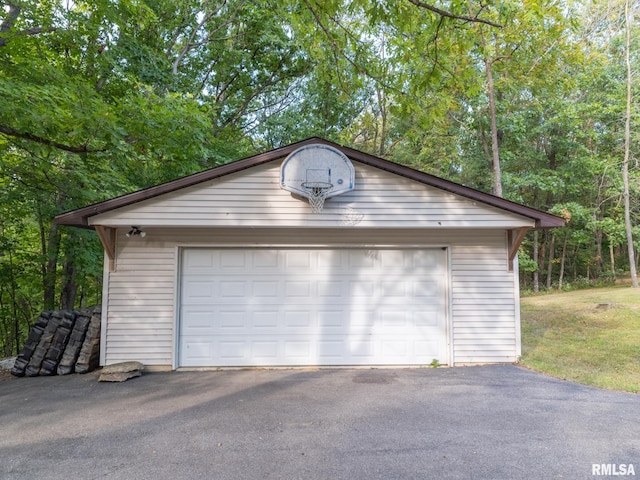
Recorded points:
(6, 365)
(5, 375)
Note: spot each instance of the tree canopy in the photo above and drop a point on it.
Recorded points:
(523, 99)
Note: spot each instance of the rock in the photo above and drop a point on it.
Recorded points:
(120, 372)
(89, 356)
(123, 367)
(74, 344)
(119, 377)
(8, 363)
(61, 342)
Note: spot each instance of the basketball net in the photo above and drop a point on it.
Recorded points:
(317, 193)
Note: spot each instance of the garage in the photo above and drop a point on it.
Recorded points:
(312, 254)
(312, 306)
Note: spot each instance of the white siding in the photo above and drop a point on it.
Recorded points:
(483, 303)
(140, 320)
(254, 198)
(141, 305)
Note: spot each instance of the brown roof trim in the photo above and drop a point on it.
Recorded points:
(79, 217)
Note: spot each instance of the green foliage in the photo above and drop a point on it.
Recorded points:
(106, 97)
(435, 363)
(102, 98)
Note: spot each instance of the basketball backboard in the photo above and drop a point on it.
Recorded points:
(317, 164)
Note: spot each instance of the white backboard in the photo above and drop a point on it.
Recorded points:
(317, 163)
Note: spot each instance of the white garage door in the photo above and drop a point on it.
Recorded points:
(249, 307)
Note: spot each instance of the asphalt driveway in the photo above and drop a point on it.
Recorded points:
(493, 422)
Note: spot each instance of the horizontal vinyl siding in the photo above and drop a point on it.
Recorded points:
(254, 198)
(141, 316)
(483, 306)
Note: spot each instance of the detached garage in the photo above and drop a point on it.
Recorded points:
(311, 254)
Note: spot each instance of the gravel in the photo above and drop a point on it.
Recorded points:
(7, 363)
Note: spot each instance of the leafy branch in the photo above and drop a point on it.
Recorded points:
(12, 15)
(12, 132)
(444, 13)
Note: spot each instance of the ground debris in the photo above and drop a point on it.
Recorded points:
(605, 306)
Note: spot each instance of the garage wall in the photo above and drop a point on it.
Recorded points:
(140, 320)
(254, 198)
(483, 306)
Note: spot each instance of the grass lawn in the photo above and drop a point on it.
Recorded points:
(588, 336)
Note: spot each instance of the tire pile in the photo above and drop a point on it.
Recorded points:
(60, 343)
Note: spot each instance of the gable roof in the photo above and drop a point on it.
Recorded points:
(79, 217)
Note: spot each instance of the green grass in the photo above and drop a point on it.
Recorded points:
(588, 336)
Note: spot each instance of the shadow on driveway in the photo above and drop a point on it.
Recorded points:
(490, 422)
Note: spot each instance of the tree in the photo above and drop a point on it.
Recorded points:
(102, 98)
(627, 148)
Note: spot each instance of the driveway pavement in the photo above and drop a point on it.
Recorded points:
(490, 422)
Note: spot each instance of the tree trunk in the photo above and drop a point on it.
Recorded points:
(383, 120)
(69, 286)
(50, 245)
(543, 253)
(536, 274)
(495, 146)
(627, 146)
(562, 260)
(550, 264)
(598, 239)
(612, 259)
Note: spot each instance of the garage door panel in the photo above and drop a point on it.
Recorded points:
(329, 259)
(295, 319)
(330, 289)
(233, 261)
(196, 290)
(265, 321)
(426, 351)
(264, 259)
(427, 289)
(298, 288)
(362, 289)
(263, 351)
(199, 261)
(312, 307)
(232, 289)
(363, 260)
(264, 289)
(201, 322)
(232, 320)
(298, 259)
(394, 349)
(330, 351)
(197, 352)
(394, 319)
(428, 318)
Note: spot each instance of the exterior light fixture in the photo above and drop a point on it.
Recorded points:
(136, 232)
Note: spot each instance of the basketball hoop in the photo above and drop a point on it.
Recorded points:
(317, 193)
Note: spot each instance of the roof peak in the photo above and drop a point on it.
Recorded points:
(79, 217)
